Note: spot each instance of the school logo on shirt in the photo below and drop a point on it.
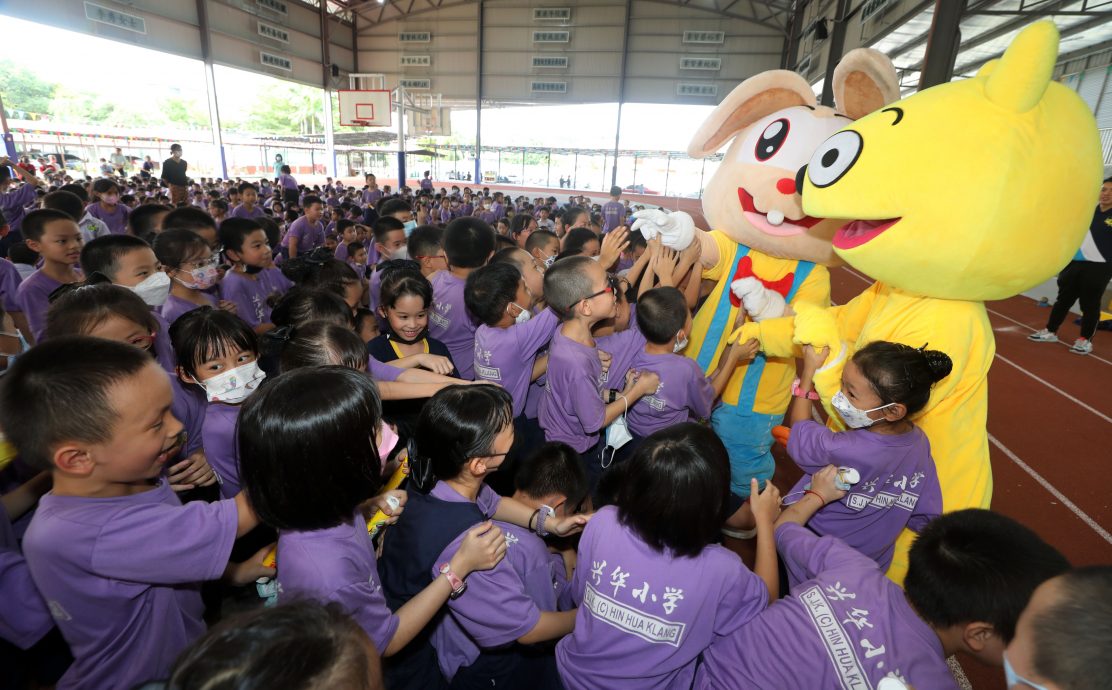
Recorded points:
(439, 314)
(59, 612)
(647, 627)
(834, 638)
(885, 497)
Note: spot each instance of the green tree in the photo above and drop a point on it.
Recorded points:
(186, 112)
(287, 109)
(23, 90)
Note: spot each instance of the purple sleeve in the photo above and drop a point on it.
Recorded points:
(366, 603)
(809, 445)
(382, 372)
(536, 332)
(293, 235)
(182, 544)
(744, 596)
(496, 610)
(234, 291)
(700, 392)
(805, 554)
(929, 505)
(9, 286)
(24, 618)
(34, 305)
(488, 501)
(582, 558)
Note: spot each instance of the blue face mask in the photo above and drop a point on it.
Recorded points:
(409, 225)
(1012, 679)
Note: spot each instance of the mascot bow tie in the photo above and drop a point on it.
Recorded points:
(745, 270)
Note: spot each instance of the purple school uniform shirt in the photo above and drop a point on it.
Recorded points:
(371, 196)
(175, 306)
(116, 220)
(188, 407)
(337, 564)
(644, 616)
(13, 205)
(505, 355)
(898, 487)
(845, 626)
(308, 235)
(10, 279)
(683, 392)
(572, 410)
(33, 296)
(613, 215)
(450, 323)
(623, 348)
(426, 184)
(219, 440)
(252, 297)
(121, 577)
(502, 603)
(380, 371)
(24, 618)
(287, 182)
(242, 212)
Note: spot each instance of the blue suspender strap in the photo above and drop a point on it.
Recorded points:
(721, 319)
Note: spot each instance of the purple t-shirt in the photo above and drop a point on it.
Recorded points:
(121, 577)
(163, 348)
(613, 215)
(287, 182)
(188, 408)
(308, 235)
(9, 286)
(380, 371)
(505, 355)
(502, 603)
(371, 196)
(572, 410)
(426, 184)
(632, 633)
(337, 564)
(116, 220)
(14, 203)
(251, 297)
(845, 626)
(24, 618)
(623, 348)
(221, 451)
(683, 392)
(241, 211)
(898, 487)
(33, 296)
(175, 306)
(450, 323)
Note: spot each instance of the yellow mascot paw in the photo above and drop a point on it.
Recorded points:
(747, 331)
(815, 326)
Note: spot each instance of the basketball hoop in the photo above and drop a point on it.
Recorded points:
(360, 123)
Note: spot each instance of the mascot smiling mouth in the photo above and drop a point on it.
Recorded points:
(774, 222)
(858, 232)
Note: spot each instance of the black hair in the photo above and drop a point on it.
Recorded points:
(320, 268)
(655, 496)
(900, 373)
(305, 644)
(188, 218)
(391, 206)
(77, 310)
(77, 190)
(615, 191)
(397, 283)
(104, 184)
(141, 220)
(566, 284)
(355, 247)
(489, 291)
(219, 203)
(34, 223)
(307, 454)
(977, 566)
(20, 253)
(468, 242)
(1072, 636)
(344, 224)
(572, 214)
(322, 343)
(173, 246)
(553, 468)
(661, 313)
(234, 232)
(102, 255)
(51, 394)
(270, 227)
(578, 238)
(175, 147)
(384, 226)
(66, 202)
(540, 238)
(455, 425)
(636, 240)
(425, 240)
(206, 333)
(303, 304)
(244, 186)
(520, 222)
(501, 242)
(310, 200)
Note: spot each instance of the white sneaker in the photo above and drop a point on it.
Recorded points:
(1043, 336)
(1082, 346)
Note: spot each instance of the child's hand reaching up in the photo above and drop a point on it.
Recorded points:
(813, 359)
(613, 244)
(482, 549)
(666, 265)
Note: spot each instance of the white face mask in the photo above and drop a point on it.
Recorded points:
(549, 260)
(680, 344)
(852, 416)
(154, 289)
(523, 315)
(235, 385)
(400, 254)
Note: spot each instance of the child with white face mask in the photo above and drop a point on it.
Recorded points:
(888, 473)
(218, 352)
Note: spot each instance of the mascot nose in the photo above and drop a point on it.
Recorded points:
(799, 179)
(786, 186)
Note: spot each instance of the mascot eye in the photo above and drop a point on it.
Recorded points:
(834, 158)
(772, 138)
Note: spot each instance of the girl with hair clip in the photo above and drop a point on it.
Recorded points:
(463, 435)
(319, 268)
(103, 310)
(193, 270)
(884, 459)
(308, 442)
(406, 298)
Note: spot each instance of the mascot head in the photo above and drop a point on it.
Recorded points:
(973, 190)
(775, 126)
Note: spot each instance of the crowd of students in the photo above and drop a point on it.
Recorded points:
(213, 402)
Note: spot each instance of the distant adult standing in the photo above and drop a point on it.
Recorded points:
(426, 182)
(613, 211)
(148, 168)
(119, 162)
(173, 173)
(1085, 279)
(278, 163)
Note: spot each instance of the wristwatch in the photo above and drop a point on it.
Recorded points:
(458, 585)
(810, 395)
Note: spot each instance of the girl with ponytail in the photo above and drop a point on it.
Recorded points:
(885, 466)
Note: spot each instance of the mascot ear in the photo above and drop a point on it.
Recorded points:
(864, 81)
(751, 100)
(1019, 80)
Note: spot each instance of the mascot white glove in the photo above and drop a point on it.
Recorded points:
(760, 302)
(676, 229)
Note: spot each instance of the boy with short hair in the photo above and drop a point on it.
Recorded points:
(544, 246)
(71, 203)
(572, 410)
(613, 211)
(57, 239)
(425, 246)
(195, 220)
(145, 222)
(248, 207)
(468, 244)
(306, 233)
(389, 245)
(971, 573)
(125, 597)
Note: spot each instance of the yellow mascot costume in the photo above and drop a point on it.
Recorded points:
(973, 190)
(764, 254)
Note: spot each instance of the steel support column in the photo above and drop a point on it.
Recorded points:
(790, 54)
(943, 42)
(621, 91)
(326, 82)
(210, 87)
(479, 100)
(834, 52)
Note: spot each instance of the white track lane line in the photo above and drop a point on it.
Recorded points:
(1081, 515)
(1056, 389)
(1060, 342)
